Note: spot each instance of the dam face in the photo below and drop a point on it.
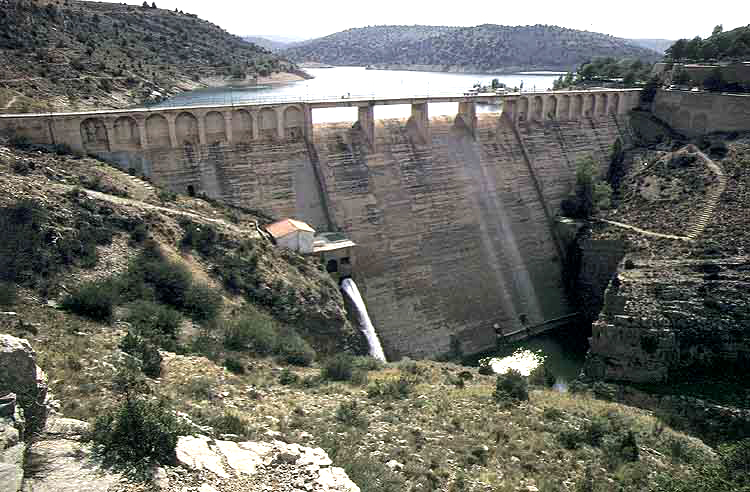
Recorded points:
(452, 216)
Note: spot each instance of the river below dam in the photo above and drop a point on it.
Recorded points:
(353, 82)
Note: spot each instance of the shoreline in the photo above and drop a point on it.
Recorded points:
(469, 70)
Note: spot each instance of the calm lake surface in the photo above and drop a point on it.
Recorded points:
(357, 81)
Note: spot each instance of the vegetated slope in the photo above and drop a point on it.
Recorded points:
(658, 45)
(77, 55)
(729, 45)
(487, 47)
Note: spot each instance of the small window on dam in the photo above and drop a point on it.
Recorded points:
(345, 261)
(332, 266)
(191, 190)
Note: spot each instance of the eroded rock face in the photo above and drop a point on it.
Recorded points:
(285, 466)
(19, 374)
(12, 447)
(664, 319)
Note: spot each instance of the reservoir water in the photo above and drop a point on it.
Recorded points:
(358, 81)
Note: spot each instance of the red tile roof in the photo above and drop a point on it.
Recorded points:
(287, 226)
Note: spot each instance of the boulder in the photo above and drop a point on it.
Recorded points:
(12, 446)
(19, 374)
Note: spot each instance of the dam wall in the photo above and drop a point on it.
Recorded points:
(698, 113)
(455, 247)
(453, 216)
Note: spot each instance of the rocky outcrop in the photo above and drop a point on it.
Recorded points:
(19, 374)
(60, 462)
(664, 320)
(228, 465)
(12, 446)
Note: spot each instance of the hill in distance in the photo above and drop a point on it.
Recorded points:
(485, 48)
(81, 55)
(659, 45)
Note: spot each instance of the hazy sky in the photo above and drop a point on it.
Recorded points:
(669, 19)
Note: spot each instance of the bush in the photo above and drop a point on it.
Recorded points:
(93, 300)
(138, 431)
(254, 331)
(202, 303)
(8, 294)
(202, 238)
(287, 377)
(338, 368)
(154, 321)
(393, 389)
(293, 349)
(145, 351)
(511, 386)
(234, 366)
(230, 423)
(350, 413)
(128, 379)
(367, 363)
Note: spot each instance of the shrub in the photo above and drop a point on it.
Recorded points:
(170, 281)
(254, 331)
(623, 449)
(234, 366)
(287, 377)
(201, 238)
(393, 389)
(145, 351)
(230, 423)
(368, 363)
(8, 294)
(293, 349)
(95, 300)
(350, 413)
(202, 302)
(24, 250)
(154, 321)
(511, 385)
(338, 368)
(128, 379)
(138, 431)
(552, 413)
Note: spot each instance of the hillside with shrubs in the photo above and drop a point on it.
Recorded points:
(485, 48)
(83, 55)
(159, 315)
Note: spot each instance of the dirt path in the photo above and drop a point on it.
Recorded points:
(702, 217)
(645, 232)
(250, 233)
(11, 102)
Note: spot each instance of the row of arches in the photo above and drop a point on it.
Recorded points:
(568, 106)
(157, 131)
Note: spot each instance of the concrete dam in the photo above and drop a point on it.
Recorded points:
(454, 217)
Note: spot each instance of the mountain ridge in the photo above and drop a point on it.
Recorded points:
(486, 47)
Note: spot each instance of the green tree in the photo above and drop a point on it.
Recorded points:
(677, 51)
(717, 30)
(649, 90)
(715, 80)
(629, 78)
(681, 77)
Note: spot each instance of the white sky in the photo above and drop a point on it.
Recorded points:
(668, 19)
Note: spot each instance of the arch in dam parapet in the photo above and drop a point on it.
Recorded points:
(157, 129)
(126, 134)
(94, 135)
(523, 108)
(268, 123)
(550, 107)
(243, 126)
(187, 129)
(216, 128)
(614, 103)
(563, 108)
(576, 107)
(537, 108)
(601, 105)
(294, 123)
